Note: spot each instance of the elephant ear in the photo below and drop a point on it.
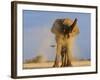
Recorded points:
(56, 28)
(73, 24)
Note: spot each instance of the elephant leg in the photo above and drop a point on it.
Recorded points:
(69, 62)
(65, 60)
(62, 58)
(68, 57)
(58, 56)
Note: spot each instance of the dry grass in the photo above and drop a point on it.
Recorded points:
(50, 64)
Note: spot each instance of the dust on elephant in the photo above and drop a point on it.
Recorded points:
(65, 31)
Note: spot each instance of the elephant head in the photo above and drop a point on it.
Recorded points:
(68, 26)
(65, 26)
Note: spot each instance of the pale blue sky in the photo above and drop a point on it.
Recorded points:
(38, 38)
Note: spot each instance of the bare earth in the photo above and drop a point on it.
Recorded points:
(50, 64)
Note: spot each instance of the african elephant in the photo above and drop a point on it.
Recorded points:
(65, 31)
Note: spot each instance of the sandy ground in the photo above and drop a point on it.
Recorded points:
(50, 64)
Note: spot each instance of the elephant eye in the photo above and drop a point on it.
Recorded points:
(66, 27)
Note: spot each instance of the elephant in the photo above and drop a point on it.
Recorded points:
(65, 31)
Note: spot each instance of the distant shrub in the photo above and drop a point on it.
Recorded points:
(37, 59)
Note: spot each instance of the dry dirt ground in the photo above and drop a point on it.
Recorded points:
(50, 64)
